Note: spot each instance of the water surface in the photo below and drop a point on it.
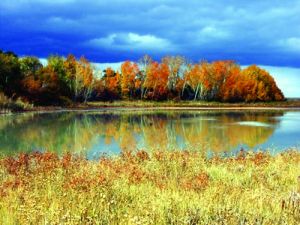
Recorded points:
(93, 133)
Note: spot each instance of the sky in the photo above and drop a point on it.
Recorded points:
(249, 32)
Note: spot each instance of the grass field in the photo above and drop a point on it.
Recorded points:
(180, 187)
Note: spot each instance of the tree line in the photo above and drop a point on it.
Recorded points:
(68, 80)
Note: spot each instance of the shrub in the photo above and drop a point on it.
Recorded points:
(9, 105)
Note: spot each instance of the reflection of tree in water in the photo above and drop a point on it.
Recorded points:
(216, 131)
(224, 133)
(77, 131)
(53, 132)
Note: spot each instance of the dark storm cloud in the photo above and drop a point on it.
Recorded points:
(262, 32)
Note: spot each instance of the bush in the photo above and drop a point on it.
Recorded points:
(9, 105)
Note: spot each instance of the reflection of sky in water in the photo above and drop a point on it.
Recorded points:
(287, 133)
(100, 148)
(253, 123)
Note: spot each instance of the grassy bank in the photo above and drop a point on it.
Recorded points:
(156, 188)
(291, 103)
(7, 105)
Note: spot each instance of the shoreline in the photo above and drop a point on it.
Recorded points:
(124, 108)
(291, 105)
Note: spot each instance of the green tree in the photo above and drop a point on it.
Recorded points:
(56, 64)
(30, 66)
(31, 84)
(10, 73)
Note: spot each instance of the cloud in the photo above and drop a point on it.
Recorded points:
(213, 32)
(262, 32)
(133, 41)
(210, 34)
(290, 44)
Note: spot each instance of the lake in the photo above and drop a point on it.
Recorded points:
(111, 131)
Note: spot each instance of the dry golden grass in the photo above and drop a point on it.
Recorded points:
(180, 187)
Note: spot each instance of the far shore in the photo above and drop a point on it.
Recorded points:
(165, 105)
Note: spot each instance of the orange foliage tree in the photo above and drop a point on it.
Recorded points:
(129, 72)
(259, 85)
(157, 79)
(108, 87)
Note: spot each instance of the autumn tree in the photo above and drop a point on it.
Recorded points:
(219, 72)
(129, 72)
(157, 80)
(70, 66)
(84, 79)
(263, 86)
(144, 65)
(108, 87)
(176, 66)
(31, 84)
(198, 79)
(230, 90)
(49, 91)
